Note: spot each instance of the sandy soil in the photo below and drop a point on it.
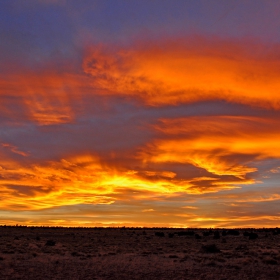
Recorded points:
(59, 253)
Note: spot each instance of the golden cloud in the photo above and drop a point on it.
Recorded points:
(45, 97)
(222, 145)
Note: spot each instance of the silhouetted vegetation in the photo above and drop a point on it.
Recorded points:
(211, 248)
(216, 235)
(159, 234)
(197, 236)
(50, 243)
(253, 236)
(170, 235)
(185, 233)
(233, 232)
(241, 247)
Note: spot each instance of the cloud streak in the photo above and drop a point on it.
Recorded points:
(189, 71)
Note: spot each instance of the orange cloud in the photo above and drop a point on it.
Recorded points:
(45, 98)
(188, 71)
(14, 149)
(222, 145)
(163, 74)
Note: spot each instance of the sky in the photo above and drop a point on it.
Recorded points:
(151, 113)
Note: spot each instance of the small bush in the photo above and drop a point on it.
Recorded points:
(216, 235)
(170, 235)
(197, 236)
(159, 233)
(241, 247)
(173, 257)
(50, 243)
(253, 236)
(224, 233)
(233, 232)
(270, 261)
(185, 233)
(211, 248)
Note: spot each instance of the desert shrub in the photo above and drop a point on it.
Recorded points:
(270, 261)
(159, 233)
(173, 257)
(8, 252)
(1, 258)
(170, 235)
(211, 263)
(241, 247)
(253, 236)
(50, 243)
(224, 233)
(210, 248)
(197, 236)
(233, 232)
(216, 235)
(185, 233)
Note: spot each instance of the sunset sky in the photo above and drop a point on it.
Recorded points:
(140, 113)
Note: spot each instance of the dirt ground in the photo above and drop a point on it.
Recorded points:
(137, 253)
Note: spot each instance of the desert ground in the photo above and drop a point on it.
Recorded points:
(138, 253)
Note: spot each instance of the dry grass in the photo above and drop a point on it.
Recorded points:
(58, 253)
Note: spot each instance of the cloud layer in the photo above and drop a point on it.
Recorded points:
(162, 133)
(189, 71)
